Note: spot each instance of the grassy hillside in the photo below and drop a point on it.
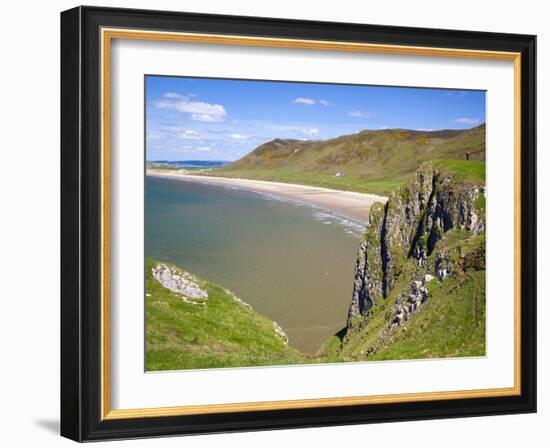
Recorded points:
(450, 324)
(370, 161)
(217, 332)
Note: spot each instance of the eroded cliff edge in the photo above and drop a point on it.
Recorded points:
(426, 244)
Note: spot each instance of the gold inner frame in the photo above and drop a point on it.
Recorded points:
(107, 35)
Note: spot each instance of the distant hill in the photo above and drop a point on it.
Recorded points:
(374, 161)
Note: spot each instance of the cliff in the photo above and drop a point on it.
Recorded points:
(426, 244)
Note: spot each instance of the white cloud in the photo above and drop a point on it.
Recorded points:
(361, 114)
(466, 120)
(203, 149)
(173, 95)
(189, 134)
(310, 102)
(238, 136)
(304, 101)
(199, 110)
(310, 132)
(208, 117)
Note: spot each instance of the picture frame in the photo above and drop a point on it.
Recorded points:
(86, 37)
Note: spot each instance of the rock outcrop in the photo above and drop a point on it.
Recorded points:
(179, 281)
(280, 332)
(402, 250)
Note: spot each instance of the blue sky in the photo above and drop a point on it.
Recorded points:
(215, 119)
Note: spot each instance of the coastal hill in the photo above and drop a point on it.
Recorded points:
(373, 161)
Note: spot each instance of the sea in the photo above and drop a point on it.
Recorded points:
(192, 163)
(292, 262)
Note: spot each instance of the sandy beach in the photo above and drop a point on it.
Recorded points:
(348, 203)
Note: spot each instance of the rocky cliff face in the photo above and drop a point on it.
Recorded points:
(421, 234)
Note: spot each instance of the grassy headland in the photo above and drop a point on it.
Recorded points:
(220, 331)
(419, 287)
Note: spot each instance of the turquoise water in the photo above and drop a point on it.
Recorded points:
(291, 262)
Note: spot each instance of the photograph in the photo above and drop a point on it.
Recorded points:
(293, 223)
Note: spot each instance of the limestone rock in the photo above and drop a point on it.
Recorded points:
(280, 332)
(407, 230)
(178, 281)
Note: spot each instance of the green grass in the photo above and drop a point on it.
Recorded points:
(451, 323)
(472, 171)
(479, 204)
(358, 183)
(221, 333)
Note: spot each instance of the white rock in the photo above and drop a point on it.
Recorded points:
(178, 281)
(280, 332)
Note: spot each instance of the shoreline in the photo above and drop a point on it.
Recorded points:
(348, 203)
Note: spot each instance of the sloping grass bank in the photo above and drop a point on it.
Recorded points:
(217, 332)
